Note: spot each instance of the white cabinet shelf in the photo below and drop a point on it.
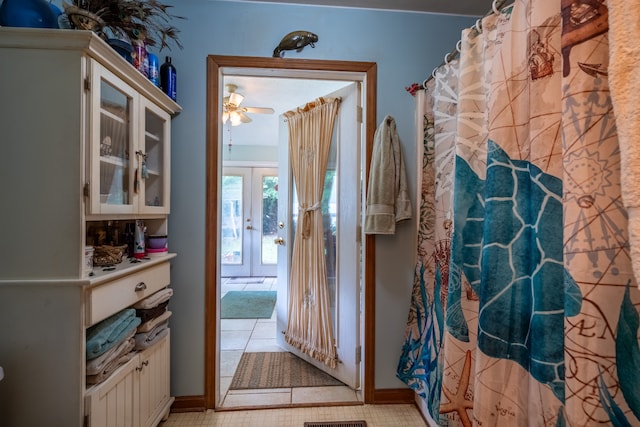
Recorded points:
(61, 175)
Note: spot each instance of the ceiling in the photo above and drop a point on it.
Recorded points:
(285, 94)
(450, 7)
(281, 94)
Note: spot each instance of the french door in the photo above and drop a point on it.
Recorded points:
(341, 209)
(249, 217)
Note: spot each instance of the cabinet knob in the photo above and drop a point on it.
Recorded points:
(140, 287)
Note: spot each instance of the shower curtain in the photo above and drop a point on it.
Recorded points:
(524, 306)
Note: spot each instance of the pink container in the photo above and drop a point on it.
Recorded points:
(157, 242)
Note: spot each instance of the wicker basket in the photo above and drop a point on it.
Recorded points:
(108, 255)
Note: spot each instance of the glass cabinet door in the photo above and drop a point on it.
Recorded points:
(152, 157)
(113, 121)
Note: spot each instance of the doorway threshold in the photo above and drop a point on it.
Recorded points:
(291, 397)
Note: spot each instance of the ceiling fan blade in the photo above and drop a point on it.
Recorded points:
(244, 118)
(258, 110)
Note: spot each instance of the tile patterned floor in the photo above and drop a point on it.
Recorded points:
(374, 415)
(253, 335)
(239, 335)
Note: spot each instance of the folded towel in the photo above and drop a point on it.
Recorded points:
(146, 314)
(387, 194)
(155, 299)
(95, 366)
(624, 83)
(110, 368)
(147, 339)
(111, 331)
(152, 323)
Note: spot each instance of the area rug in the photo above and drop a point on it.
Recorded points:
(278, 370)
(247, 304)
(238, 280)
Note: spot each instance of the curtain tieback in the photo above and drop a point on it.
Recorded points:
(305, 213)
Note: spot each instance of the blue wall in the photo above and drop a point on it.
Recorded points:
(406, 47)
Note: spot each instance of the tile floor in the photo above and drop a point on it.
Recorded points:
(239, 335)
(253, 335)
(374, 415)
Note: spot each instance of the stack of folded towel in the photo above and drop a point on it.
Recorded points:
(109, 344)
(114, 341)
(154, 315)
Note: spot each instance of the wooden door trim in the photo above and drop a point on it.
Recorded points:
(269, 65)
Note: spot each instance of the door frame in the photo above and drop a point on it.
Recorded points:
(289, 68)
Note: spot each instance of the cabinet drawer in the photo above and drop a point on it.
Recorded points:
(111, 297)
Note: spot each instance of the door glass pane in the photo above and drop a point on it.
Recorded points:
(269, 251)
(115, 113)
(154, 160)
(330, 227)
(232, 230)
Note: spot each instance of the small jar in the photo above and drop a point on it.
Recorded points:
(87, 267)
(140, 60)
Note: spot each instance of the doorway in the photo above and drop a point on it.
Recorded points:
(218, 66)
(249, 210)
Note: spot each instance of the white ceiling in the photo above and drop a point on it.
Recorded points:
(450, 7)
(278, 93)
(286, 94)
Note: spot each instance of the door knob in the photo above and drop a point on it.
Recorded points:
(279, 241)
(249, 227)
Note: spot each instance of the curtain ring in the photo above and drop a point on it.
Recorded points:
(478, 28)
(459, 46)
(433, 73)
(424, 83)
(446, 58)
(494, 7)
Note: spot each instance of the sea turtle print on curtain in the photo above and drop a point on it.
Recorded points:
(539, 322)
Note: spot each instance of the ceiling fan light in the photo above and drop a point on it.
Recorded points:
(235, 99)
(225, 117)
(235, 118)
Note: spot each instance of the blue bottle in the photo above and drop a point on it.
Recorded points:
(154, 70)
(168, 78)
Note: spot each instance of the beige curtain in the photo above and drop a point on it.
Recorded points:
(310, 325)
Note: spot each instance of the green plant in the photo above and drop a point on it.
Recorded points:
(146, 20)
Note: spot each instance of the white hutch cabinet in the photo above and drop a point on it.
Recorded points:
(84, 141)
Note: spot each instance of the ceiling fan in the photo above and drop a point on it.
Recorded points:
(235, 113)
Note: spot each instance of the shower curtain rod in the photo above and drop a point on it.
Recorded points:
(495, 8)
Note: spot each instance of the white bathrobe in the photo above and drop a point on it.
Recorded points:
(624, 82)
(387, 195)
